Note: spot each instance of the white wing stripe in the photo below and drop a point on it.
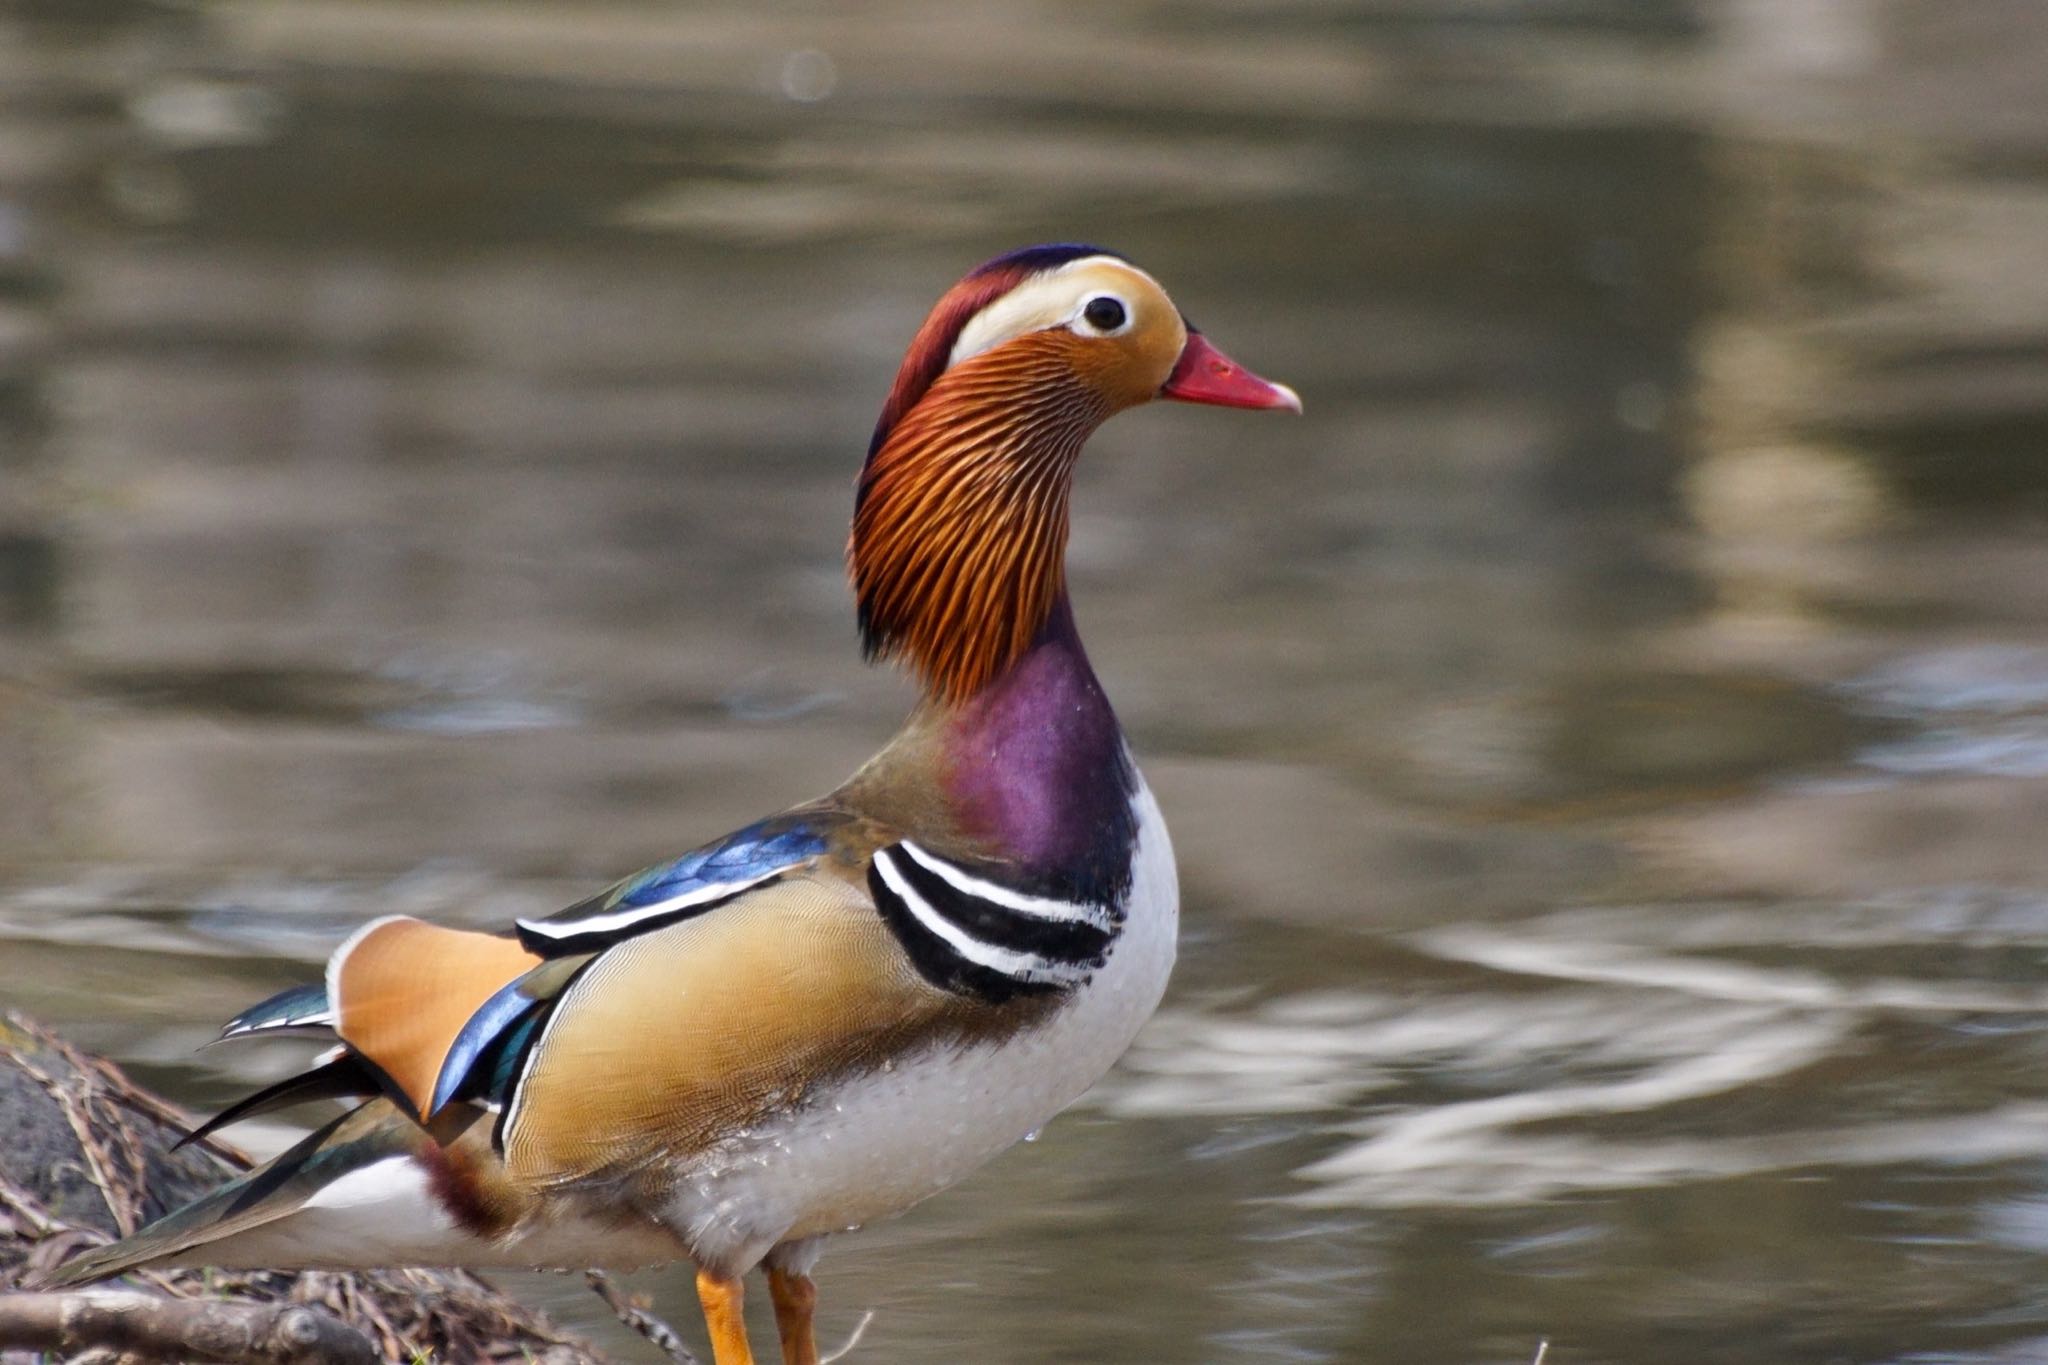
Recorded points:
(1022, 966)
(620, 919)
(1037, 907)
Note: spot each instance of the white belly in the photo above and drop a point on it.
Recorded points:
(893, 1137)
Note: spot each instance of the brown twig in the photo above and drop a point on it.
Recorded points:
(24, 1204)
(122, 1201)
(632, 1311)
(123, 1321)
(121, 1091)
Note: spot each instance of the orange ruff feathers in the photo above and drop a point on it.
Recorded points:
(960, 532)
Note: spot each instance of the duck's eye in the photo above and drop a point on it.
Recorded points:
(1104, 313)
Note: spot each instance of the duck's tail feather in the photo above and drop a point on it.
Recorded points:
(296, 1009)
(358, 1192)
(343, 1077)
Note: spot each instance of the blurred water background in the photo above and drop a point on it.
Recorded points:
(1607, 739)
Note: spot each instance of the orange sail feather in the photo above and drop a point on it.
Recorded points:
(402, 990)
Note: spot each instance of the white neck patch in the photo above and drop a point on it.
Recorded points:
(1052, 298)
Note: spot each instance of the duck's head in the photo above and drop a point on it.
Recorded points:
(1077, 318)
(960, 525)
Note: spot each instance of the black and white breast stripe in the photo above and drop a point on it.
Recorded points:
(967, 934)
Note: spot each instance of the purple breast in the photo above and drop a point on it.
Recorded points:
(1039, 771)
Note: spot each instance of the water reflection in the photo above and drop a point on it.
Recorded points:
(1605, 739)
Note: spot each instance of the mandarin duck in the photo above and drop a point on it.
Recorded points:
(826, 1016)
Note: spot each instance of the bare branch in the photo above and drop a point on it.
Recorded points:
(633, 1312)
(127, 1323)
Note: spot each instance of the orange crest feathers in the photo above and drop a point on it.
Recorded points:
(925, 361)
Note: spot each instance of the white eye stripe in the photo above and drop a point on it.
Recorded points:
(1039, 304)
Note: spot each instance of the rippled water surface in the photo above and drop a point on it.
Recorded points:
(1607, 738)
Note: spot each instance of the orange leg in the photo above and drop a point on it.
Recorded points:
(723, 1300)
(796, 1298)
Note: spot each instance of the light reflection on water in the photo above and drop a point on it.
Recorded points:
(1604, 738)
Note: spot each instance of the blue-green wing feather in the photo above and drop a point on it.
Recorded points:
(698, 881)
